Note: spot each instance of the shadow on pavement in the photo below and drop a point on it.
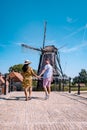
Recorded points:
(20, 98)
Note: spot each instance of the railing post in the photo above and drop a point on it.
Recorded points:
(9, 85)
(78, 88)
(63, 84)
(69, 85)
(55, 83)
(5, 85)
(59, 84)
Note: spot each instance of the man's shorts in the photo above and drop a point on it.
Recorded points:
(47, 82)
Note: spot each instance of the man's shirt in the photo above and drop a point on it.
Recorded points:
(48, 71)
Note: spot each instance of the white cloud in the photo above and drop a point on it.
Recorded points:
(51, 42)
(67, 50)
(86, 25)
(70, 20)
(68, 28)
(75, 48)
(72, 34)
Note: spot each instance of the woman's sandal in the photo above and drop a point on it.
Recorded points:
(29, 98)
(26, 99)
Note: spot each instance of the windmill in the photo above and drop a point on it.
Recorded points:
(50, 52)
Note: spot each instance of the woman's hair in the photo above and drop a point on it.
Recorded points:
(25, 67)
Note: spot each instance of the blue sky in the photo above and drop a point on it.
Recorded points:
(22, 21)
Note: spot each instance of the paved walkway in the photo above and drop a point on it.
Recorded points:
(62, 111)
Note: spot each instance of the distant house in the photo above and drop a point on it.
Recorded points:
(81, 85)
(2, 81)
(1, 84)
(16, 79)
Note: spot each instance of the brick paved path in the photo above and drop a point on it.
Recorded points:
(62, 111)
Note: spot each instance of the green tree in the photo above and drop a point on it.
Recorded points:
(75, 80)
(16, 68)
(82, 77)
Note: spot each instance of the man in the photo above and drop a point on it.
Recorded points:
(47, 73)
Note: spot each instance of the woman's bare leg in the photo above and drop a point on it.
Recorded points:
(30, 91)
(26, 95)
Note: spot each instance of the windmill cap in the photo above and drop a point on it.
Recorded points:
(27, 62)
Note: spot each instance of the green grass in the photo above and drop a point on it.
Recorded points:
(57, 88)
(66, 88)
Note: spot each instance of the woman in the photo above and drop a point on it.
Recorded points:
(27, 74)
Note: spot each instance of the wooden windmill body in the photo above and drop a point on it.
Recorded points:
(50, 52)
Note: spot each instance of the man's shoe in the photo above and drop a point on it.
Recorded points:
(46, 97)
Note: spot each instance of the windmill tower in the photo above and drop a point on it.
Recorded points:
(50, 52)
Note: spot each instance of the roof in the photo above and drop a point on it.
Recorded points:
(16, 76)
(50, 49)
(2, 79)
(81, 84)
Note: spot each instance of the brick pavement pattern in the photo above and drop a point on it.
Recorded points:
(62, 111)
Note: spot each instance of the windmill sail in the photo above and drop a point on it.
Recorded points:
(27, 46)
(44, 34)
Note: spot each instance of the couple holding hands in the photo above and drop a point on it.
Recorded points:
(28, 73)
